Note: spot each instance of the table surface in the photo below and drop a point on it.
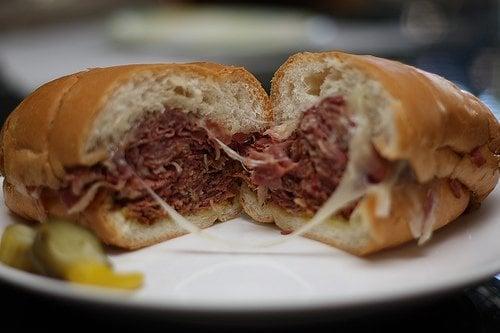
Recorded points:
(471, 310)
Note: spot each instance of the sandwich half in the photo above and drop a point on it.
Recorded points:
(401, 152)
(84, 146)
(358, 152)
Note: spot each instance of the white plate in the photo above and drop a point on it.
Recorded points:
(192, 274)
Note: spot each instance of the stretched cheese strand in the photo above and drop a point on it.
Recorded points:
(182, 221)
(352, 186)
(246, 161)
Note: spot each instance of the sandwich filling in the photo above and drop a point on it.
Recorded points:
(181, 159)
(173, 154)
(301, 172)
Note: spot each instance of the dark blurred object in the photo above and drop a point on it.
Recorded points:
(485, 70)
(9, 99)
(466, 311)
(486, 299)
(467, 41)
(464, 23)
(17, 13)
(374, 9)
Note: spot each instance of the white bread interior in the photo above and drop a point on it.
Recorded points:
(300, 85)
(232, 104)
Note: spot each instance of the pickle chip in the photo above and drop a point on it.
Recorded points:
(64, 250)
(102, 275)
(61, 244)
(15, 247)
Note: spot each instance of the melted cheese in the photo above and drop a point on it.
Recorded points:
(230, 152)
(428, 223)
(421, 224)
(416, 216)
(86, 199)
(283, 131)
(352, 186)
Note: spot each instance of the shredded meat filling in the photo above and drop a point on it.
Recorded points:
(172, 154)
(302, 171)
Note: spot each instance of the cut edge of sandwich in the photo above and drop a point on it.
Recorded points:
(395, 100)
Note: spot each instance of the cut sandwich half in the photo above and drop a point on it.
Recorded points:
(396, 152)
(84, 146)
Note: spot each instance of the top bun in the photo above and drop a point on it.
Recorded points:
(74, 120)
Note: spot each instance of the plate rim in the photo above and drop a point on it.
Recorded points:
(81, 293)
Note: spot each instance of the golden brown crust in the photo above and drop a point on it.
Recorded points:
(24, 144)
(22, 204)
(395, 229)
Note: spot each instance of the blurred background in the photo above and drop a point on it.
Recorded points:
(458, 39)
(43, 39)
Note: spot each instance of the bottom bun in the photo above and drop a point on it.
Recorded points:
(365, 232)
(111, 225)
(250, 203)
(22, 204)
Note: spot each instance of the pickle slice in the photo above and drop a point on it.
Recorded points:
(15, 247)
(103, 275)
(60, 244)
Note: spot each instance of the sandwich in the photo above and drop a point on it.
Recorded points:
(384, 152)
(358, 152)
(85, 146)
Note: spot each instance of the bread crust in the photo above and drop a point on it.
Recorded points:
(24, 146)
(22, 204)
